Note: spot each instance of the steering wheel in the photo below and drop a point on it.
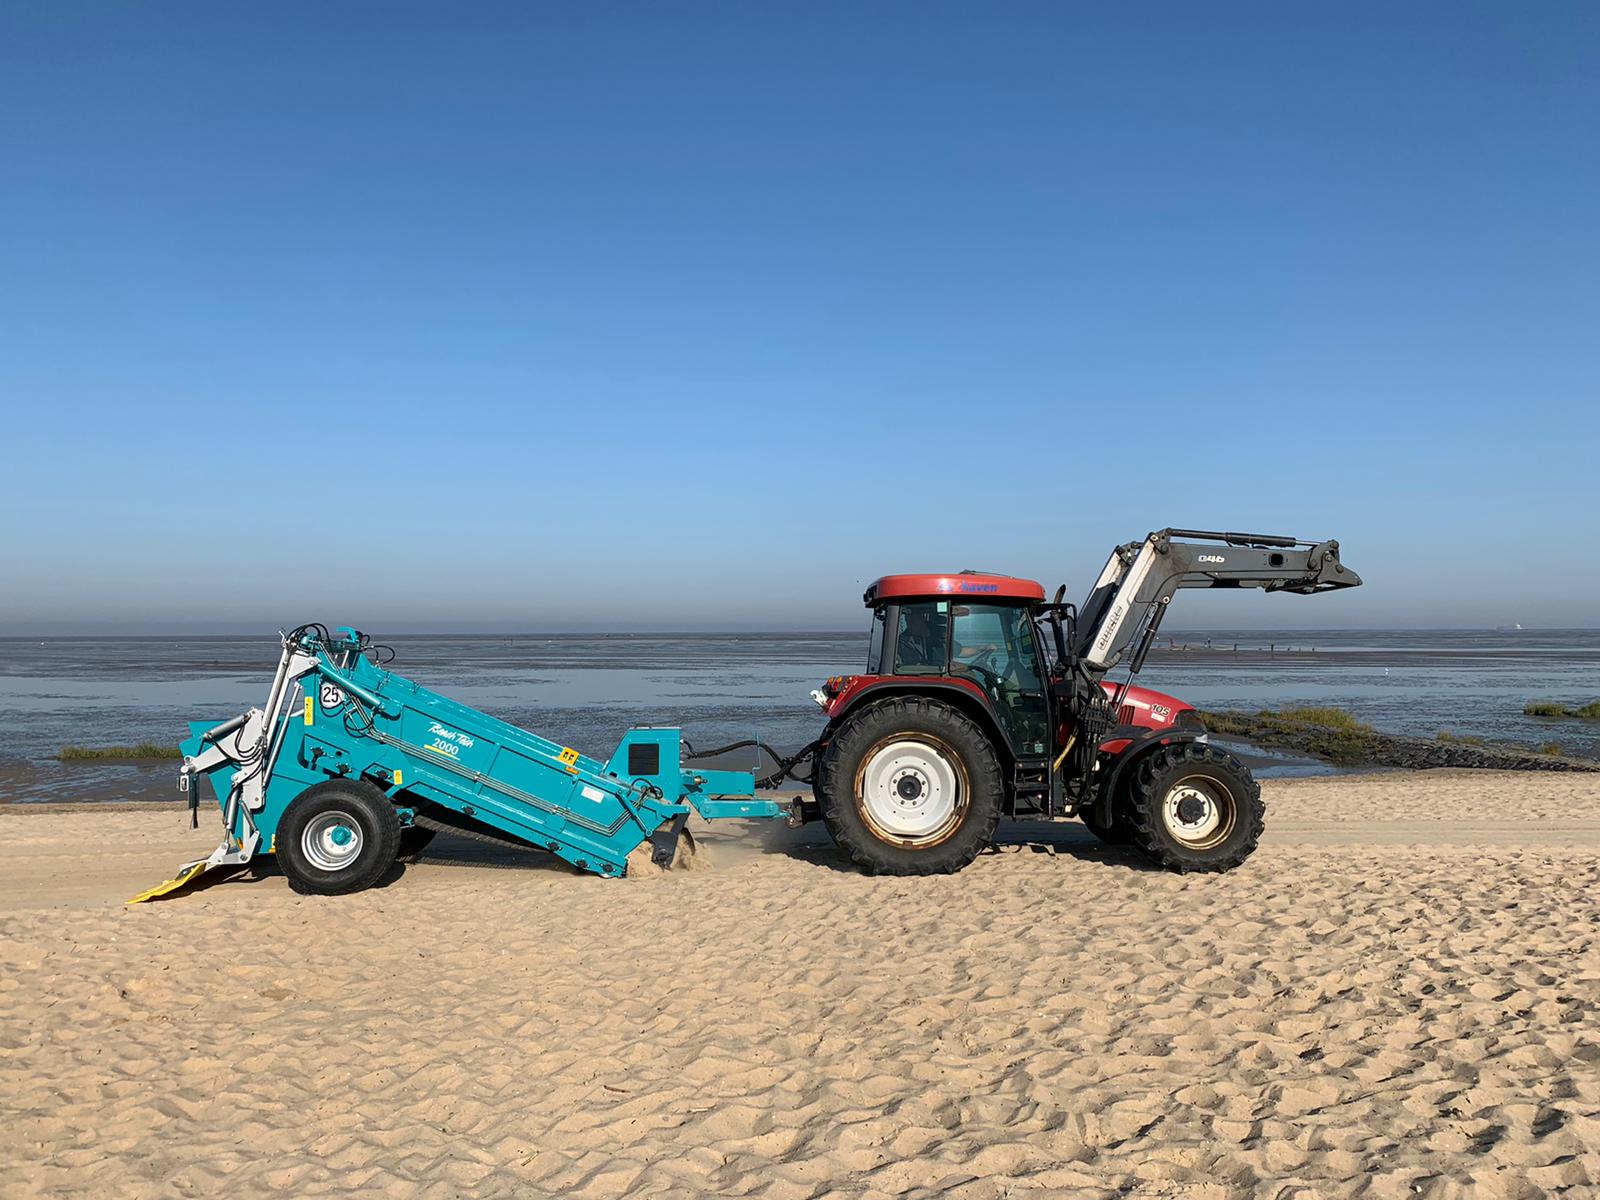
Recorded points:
(984, 661)
(993, 680)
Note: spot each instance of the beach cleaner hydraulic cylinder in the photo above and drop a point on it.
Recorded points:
(345, 757)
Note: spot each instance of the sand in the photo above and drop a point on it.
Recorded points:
(1397, 996)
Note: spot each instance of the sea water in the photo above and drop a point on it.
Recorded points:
(586, 690)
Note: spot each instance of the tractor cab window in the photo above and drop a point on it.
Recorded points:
(993, 645)
(875, 643)
(921, 638)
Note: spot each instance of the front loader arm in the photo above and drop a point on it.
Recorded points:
(1140, 579)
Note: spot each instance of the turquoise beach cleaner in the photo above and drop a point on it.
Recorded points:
(347, 759)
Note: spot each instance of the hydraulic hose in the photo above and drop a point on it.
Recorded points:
(784, 767)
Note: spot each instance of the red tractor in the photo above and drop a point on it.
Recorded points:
(981, 699)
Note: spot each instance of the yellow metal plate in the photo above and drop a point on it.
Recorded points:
(170, 885)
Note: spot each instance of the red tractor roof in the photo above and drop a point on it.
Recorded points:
(961, 583)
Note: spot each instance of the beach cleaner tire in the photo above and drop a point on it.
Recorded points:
(1193, 807)
(909, 787)
(337, 837)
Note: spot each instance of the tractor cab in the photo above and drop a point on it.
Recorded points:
(968, 635)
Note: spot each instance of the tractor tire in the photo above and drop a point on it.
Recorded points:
(1192, 807)
(414, 840)
(909, 787)
(337, 837)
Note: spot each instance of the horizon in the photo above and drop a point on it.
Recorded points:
(1166, 632)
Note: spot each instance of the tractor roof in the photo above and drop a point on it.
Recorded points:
(976, 584)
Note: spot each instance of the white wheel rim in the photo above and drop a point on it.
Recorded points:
(1198, 812)
(332, 840)
(911, 791)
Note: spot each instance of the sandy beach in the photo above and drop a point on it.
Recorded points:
(1395, 997)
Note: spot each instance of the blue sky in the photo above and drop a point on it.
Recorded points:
(565, 317)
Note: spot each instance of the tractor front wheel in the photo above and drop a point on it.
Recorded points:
(1192, 807)
(337, 837)
(909, 787)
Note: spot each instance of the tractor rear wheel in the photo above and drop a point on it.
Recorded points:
(1192, 807)
(909, 787)
(337, 837)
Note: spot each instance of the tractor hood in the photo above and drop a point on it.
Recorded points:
(1147, 707)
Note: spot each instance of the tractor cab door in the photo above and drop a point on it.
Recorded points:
(994, 645)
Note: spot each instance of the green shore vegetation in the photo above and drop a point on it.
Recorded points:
(1551, 708)
(1328, 732)
(112, 753)
(1340, 736)
(1288, 719)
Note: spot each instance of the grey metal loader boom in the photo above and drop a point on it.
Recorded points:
(1139, 580)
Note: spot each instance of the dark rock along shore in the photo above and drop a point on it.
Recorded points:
(1369, 748)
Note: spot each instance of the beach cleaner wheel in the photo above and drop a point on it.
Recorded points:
(337, 837)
